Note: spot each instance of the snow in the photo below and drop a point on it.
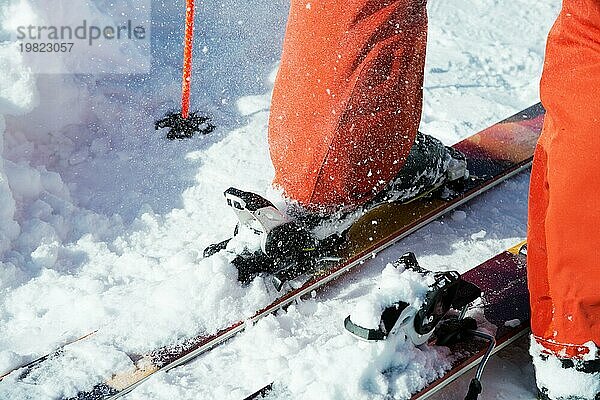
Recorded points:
(395, 284)
(103, 222)
(459, 215)
(513, 323)
(479, 235)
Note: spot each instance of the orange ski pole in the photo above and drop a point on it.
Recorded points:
(187, 59)
(185, 125)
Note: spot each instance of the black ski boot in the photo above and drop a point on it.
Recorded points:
(429, 166)
(431, 169)
(284, 249)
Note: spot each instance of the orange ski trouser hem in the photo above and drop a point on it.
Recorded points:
(564, 207)
(347, 99)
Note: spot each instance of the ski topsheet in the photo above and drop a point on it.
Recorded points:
(493, 155)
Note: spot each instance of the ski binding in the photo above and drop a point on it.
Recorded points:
(287, 249)
(448, 291)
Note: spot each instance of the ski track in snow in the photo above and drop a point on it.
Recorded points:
(103, 223)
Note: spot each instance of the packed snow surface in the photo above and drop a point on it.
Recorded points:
(103, 221)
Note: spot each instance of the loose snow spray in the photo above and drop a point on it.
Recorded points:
(185, 125)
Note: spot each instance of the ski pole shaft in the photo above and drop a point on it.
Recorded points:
(187, 59)
(475, 388)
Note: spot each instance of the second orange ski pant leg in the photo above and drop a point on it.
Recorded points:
(347, 99)
(564, 214)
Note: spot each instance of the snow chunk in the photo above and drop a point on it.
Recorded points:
(246, 239)
(9, 360)
(18, 94)
(395, 284)
(459, 215)
(513, 323)
(25, 182)
(479, 235)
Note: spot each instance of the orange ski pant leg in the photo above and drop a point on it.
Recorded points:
(347, 99)
(564, 214)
